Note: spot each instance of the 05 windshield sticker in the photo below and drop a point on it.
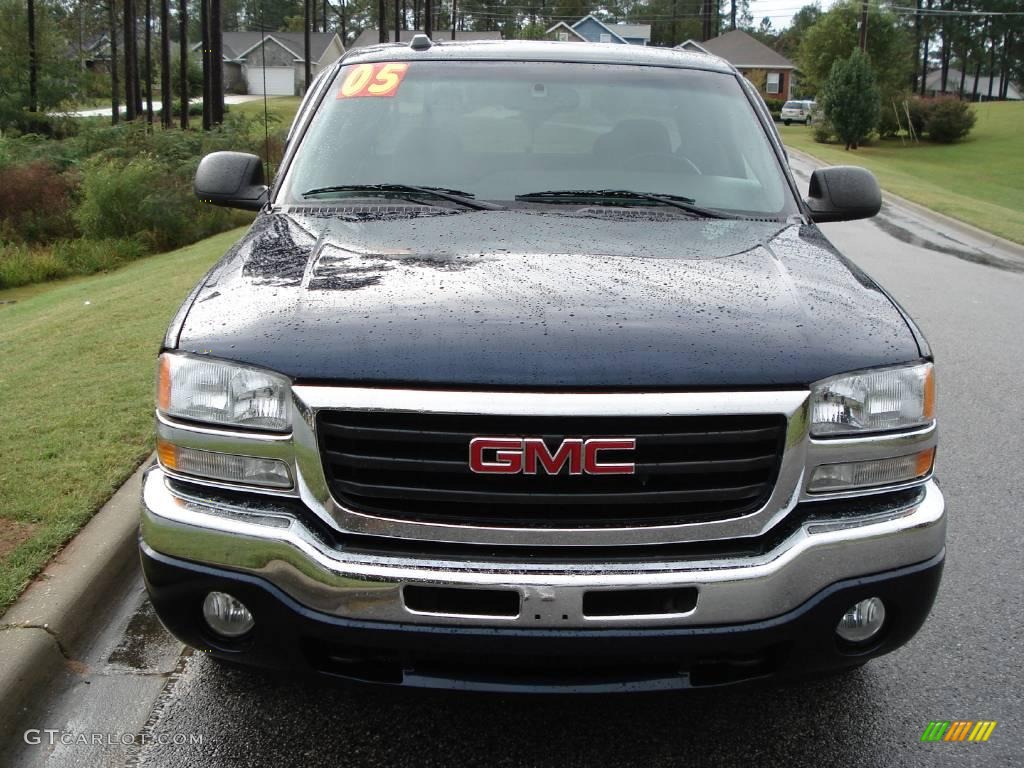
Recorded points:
(381, 80)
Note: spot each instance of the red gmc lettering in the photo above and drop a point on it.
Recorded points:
(570, 451)
(508, 457)
(531, 455)
(595, 467)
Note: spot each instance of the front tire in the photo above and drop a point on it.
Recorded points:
(785, 122)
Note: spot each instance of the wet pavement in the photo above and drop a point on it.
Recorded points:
(163, 707)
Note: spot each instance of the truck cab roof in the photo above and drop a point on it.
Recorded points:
(539, 50)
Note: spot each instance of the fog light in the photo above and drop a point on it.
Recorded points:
(862, 621)
(227, 615)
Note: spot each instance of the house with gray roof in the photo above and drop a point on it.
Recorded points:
(933, 86)
(590, 29)
(769, 70)
(274, 62)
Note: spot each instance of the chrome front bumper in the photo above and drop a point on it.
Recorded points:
(263, 538)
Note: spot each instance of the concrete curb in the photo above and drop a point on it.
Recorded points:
(984, 236)
(57, 614)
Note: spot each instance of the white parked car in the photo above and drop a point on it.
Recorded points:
(798, 112)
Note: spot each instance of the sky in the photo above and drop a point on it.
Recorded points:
(781, 11)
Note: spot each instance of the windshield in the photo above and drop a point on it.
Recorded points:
(498, 130)
(793, 105)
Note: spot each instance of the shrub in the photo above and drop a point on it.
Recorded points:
(918, 109)
(84, 257)
(41, 124)
(125, 188)
(195, 78)
(888, 125)
(22, 264)
(775, 107)
(823, 131)
(851, 99)
(949, 120)
(140, 199)
(36, 202)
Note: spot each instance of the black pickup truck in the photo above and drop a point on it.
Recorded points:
(534, 372)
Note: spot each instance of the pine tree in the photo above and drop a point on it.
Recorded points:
(851, 98)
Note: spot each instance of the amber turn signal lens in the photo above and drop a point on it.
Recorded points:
(163, 384)
(925, 459)
(929, 395)
(167, 453)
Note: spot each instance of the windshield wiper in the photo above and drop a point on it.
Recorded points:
(406, 190)
(571, 195)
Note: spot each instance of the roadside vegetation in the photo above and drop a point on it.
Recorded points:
(104, 195)
(76, 387)
(979, 180)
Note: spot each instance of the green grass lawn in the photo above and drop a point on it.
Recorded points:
(979, 180)
(284, 107)
(77, 362)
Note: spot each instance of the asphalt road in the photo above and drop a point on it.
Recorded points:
(139, 687)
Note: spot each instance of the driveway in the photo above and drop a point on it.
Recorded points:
(230, 98)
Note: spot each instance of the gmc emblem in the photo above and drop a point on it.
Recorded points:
(530, 455)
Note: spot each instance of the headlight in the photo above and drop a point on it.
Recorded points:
(219, 392)
(878, 400)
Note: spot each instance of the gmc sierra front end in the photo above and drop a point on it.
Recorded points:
(534, 373)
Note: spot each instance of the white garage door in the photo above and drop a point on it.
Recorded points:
(280, 80)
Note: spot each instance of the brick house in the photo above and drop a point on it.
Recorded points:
(769, 70)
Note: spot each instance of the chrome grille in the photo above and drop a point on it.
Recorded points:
(414, 466)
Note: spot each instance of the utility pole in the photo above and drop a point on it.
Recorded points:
(204, 38)
(991, 61)
(428, 18)
(454, 17)
(130, 63)
(382, 22)
(115, 106)
(305, 41)
(165, 63)
(924, 55)
(216, 63)
(149, 62)
(917, 44)
(864, 25)
(183, 60)
(732, 14)
(398, 21)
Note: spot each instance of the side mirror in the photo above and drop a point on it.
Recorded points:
(231, 179)
(843, 193)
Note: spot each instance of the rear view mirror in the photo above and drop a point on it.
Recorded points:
(231, 179)
(843, 193)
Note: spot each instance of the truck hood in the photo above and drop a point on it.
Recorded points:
(603, 297)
